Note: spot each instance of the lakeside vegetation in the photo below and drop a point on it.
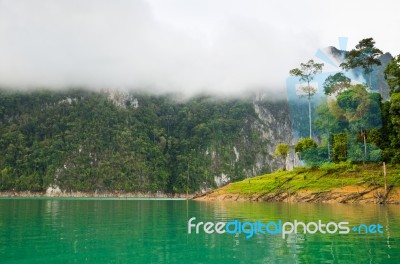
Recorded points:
(323, 178)
(351, 121)
(357, 134)
(332, 183)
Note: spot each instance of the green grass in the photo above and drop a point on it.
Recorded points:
(321, 179)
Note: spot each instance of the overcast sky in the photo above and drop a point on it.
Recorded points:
(221, 46)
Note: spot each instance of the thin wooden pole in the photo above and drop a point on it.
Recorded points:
(384, 175)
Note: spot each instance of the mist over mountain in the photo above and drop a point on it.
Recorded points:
(219, 47)
(98, 45)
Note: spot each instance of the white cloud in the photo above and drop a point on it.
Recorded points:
(218, 46)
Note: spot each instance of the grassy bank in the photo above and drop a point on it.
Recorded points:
(343, 182)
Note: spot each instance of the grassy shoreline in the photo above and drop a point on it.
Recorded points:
(336, 183)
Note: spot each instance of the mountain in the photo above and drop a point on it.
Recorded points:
(79, 140)
(111, 140)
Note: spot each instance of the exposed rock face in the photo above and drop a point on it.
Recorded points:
(53, 190)
(122, 98)
(221, 180)
(274, 125)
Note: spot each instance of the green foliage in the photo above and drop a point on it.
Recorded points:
(281, 150)
(325, 120)
(339, 147)
(352, 104)
(356, 113)
(332, 168)
(389, 140)
(315, 156)
(392, 75)
(336, 83)
(305, 143)
(364, 55)
(82, 141)
(394, 115)
(307, 71)
(324, 178)
(308, 152)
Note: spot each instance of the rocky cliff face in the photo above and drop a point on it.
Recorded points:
(274, 126)
(249, 154)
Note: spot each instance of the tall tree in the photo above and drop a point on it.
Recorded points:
(306, 73)
(365, 55)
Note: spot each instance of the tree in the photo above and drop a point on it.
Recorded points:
(392, 75)
(358, 110)
(336, 83)
(392, 118)
(365, 55)
(305, 143)
(394, 113)
(353, 103)
(324, 122)
(282, 150)
(339, 147)
(306, 73)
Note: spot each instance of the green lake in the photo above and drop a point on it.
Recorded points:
(55, 230)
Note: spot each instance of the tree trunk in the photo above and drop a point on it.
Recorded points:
(284, 163)
(370, 79)
(365, 145)
(329, 151)
(309, 113)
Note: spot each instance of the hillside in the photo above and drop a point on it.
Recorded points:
(105, 141)
(340, 183)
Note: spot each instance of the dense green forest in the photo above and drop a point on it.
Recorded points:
(83, 141)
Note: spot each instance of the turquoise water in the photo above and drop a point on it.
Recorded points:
(155, 231)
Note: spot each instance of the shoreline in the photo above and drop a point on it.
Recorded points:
(28, 194)
(346, 194)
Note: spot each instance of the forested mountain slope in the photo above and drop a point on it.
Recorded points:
(122, 141)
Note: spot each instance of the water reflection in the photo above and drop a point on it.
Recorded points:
(155, 231)
(312, 248)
